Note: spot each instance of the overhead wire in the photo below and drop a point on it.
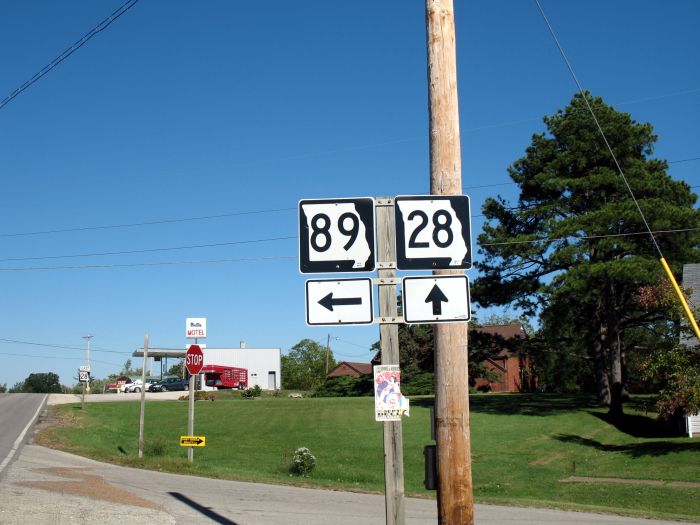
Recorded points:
(68, 52)
(233, 214)
(147, 250)
(662, 259)
(44, 356)
(62, 347)
(145, 223)
(148, 264)
(600, 128)
(293, 257)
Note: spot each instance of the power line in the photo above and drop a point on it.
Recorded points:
(147, 264)
(231, 214)
(145, 223)
(293, 257)
(600, 129)
(588, 237)
(62, 347)
(44, 356)
(367, 347)
(147, 250)
(684, 160)
(72, 49)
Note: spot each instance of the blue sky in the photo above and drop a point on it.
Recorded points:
(191, 109)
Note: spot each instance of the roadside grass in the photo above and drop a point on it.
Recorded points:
(523, 447)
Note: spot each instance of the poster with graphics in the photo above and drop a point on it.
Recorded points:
(389, 403)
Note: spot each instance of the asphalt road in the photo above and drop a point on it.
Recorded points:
(48, 487)
(18, 412)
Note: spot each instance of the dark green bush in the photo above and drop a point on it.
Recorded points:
(345, 386)
(422, 383)
(252, 392)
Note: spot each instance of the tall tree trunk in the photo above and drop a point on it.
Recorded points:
(613, 319)
(600, 357)
(615, 374)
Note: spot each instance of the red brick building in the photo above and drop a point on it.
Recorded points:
(346, 368)
(512, 372)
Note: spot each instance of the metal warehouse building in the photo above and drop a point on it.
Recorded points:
(263, 364)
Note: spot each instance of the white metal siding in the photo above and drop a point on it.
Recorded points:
(259, 362)
(693, 425)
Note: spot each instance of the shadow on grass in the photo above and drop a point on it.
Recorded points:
(205, 511)
(637, 425)
(635, 450)
(529, 404)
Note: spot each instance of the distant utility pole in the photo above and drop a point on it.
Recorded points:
(143, 393)
(455, 498)
(87, 383)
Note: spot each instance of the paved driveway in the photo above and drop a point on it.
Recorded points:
(45, 486)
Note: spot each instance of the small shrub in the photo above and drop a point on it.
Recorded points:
(303, 462)
(199, 395)
(250, 393)
(154, 446)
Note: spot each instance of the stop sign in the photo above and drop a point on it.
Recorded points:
(194, 359)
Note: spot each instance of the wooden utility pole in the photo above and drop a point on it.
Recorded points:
(455, 498)
(143, 394)
(389, 345)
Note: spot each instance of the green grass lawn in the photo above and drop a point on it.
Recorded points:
(523, 446)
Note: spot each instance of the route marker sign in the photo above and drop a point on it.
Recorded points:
(194, 359)
(83, 376)
(436, 299)
(339, 301)
(433, 232)
(193, 441)
(336, 235)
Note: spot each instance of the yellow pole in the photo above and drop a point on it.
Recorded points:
(688, 313)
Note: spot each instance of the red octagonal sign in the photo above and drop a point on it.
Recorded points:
(194, 359)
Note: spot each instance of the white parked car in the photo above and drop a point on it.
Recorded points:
(136, 386)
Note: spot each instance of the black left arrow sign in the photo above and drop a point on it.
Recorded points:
(437, 297)
(328, 302)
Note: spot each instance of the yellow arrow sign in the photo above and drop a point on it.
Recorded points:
(193, 441)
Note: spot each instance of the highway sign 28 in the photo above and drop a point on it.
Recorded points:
(433, 232)
(336, 235)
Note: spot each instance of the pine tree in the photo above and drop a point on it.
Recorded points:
(574, 248)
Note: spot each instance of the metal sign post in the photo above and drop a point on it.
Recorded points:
(389, 343)
(194, 361)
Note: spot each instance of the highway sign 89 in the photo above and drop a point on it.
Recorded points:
(336, 235)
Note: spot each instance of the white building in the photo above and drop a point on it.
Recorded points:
(263, 364)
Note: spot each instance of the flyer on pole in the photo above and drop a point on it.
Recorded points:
(389, 403)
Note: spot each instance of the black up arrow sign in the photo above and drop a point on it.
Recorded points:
(437, 298)
(328, 302)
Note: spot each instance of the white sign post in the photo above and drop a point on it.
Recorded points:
(196, 327)
(436, 299)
